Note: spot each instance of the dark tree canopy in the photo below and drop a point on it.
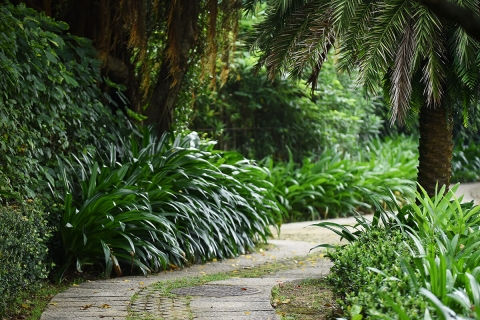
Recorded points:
(149, 45)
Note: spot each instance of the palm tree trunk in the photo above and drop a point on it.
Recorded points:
(435, 148)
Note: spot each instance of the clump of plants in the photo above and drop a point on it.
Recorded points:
(151, 202)
(336, 183)
(419, 261)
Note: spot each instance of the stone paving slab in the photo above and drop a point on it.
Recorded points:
(205, 305)
(90, 293)
(243, 315)
(80, 303)
(67, 316)
(231, 307)
(88, 314)
(265, 281)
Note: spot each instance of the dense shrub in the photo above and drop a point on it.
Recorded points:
(23, 250)
(152, 201)
(355, 281)
(50, 97)
(423, 264)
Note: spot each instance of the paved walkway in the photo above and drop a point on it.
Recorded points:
(110, 299)
(235, 298)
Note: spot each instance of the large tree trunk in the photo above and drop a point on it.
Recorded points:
(435, 149)
(182, 37)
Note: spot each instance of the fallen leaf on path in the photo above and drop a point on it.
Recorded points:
(105, 306)
(85, 307)
(53, 303)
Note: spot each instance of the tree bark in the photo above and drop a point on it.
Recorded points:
(435, 149)
(183, 34)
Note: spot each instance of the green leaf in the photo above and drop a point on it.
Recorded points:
(69, 80)
(51, 57)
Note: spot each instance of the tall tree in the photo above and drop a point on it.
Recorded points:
(149, 45)
(427, 65)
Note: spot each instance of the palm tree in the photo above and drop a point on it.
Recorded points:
(427, 65)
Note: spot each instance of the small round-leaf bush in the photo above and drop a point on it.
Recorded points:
(369, 267)
(23, 249)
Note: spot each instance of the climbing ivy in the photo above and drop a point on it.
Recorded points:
(50, 101)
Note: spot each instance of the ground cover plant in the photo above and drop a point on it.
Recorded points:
(151, 202)
(307, 299)
(421, 261)
(337, 183)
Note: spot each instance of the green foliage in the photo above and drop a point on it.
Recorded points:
(152, 201)
(23, 249)
(434, 272)
(50, 100)
(262, 117)
(466, 162)
(336, 184)
(358, 284)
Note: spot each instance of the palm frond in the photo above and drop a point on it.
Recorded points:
(299, 39)
(401, 86)
(351, 37)
(381, 42)
(312, 44)
(344, 12)
(429, 36)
